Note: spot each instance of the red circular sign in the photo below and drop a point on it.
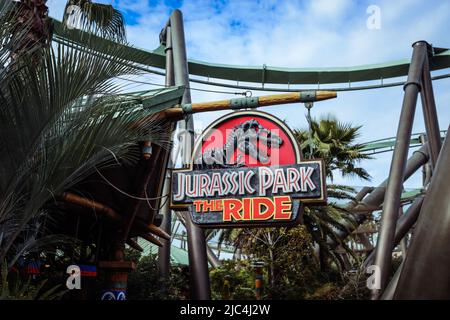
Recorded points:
(247, 171)
(250, 139)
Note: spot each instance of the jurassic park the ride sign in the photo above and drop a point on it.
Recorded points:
(247, 171)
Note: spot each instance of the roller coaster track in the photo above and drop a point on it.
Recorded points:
(388, 144)
(154, 62)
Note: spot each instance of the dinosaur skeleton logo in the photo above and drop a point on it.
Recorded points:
(243, 137)
(247, 171)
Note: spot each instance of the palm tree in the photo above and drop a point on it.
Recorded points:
(332, 141)
(31, 16)
(97, 18)
(61, 119)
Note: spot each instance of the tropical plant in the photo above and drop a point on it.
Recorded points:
(97, 18)
(32, 24)
(290, 269)
(332, 141)
(12, 287)
(355, 284)
(61, 119)
(145, 284)
(233, 280)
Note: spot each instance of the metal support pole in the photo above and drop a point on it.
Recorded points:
(404, 225)
(426, 273)
(388, 294)
(429, 111)
(383, 253)
(198, 262)
(309, 106)
(212, 257)
(164, 251)
(403, 243)
(170, 78)
(376, 197)
(426, 168)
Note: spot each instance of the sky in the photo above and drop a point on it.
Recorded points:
(314, 33)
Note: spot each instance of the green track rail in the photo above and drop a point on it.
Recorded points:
(258, 74)
(388, 144)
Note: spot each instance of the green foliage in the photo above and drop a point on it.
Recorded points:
(145, 284)
(323, 224)
(132, 255)
(14, 287)
(334, 142)
(327, 291)
(292, 271)
(291, 268)
(61, 120)
(354, 285)
(97, 18)
(233, 280)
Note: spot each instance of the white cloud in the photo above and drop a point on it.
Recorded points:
(306, 34)
(332, 10)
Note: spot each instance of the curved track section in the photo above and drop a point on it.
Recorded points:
(262, 74)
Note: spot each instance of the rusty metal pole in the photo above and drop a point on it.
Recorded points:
(429, 110)
(198, 262)
(383, 252)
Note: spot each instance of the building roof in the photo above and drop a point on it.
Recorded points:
(178, 256)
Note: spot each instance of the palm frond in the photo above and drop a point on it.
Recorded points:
(333, 141)
(96, 18)
(61, 119)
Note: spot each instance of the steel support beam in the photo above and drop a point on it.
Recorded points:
(198, 263)
(426, 273)
(429, 111)
(389, 292)
(164, 251)
(404, 224)
(383, 251)
(212, 257)
(170, 77)
(376, 197)
(426, 169)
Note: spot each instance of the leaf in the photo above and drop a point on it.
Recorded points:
(97, 18)
(62, 118)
